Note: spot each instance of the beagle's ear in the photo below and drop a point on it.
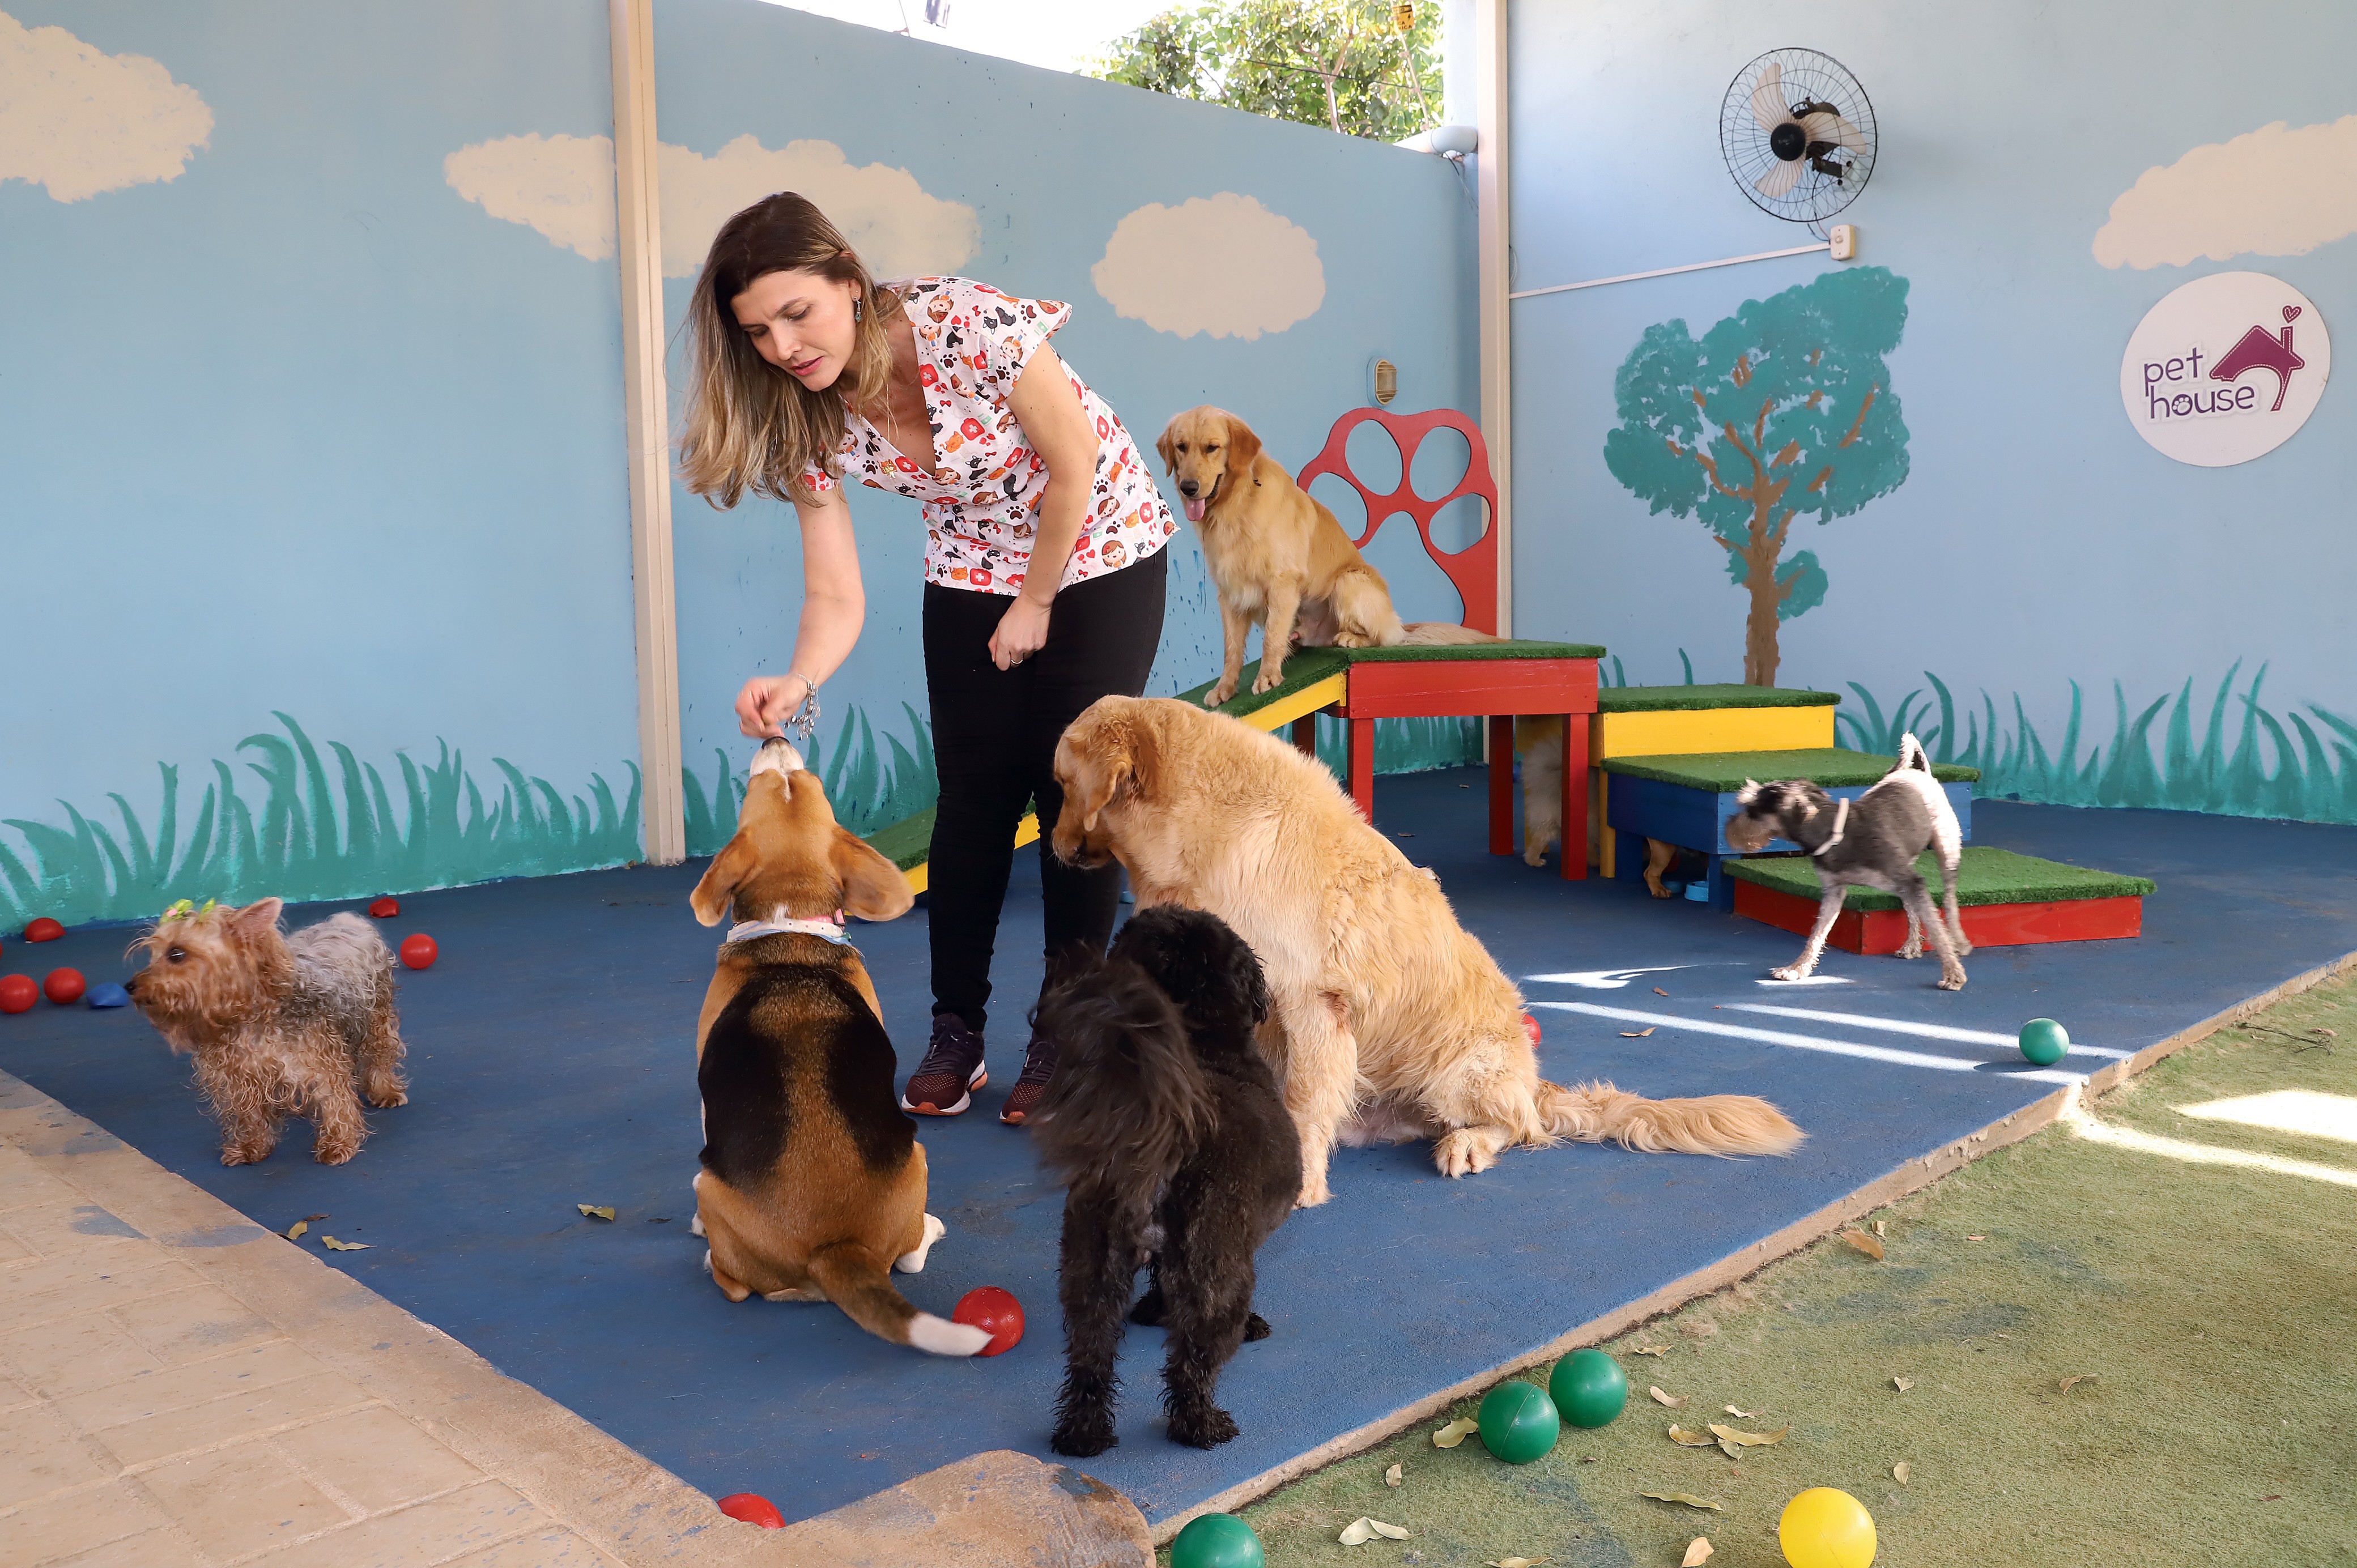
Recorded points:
(1243, 446)
(716, 889)
(873, 887)
(1168, 445)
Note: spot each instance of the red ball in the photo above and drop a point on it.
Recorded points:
(753, 1509)
(44, 930)
(418, 950)
(987, 1306)
(1531, 1028)
(18, 993)
(64, 986)
(385, 909)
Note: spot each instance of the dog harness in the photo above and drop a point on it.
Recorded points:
(1841, 817)
(829, 927)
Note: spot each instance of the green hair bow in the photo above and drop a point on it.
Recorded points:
(188, 908)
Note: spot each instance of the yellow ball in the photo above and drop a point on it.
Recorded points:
(1826, 1528)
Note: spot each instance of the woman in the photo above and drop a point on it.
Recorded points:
(1043, 561)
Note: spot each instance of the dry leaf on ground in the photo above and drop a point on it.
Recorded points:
(1975, 1238)
(294, 1231)
(1673, 1401)
(1878, 1230)
(1518, 1562)
(318, 1217)
(1688, 1498)
(595, 1211)
(1656, 1351)
(1455, 1433)
(1863, 1242)
(1392, 1477)
(1902, 1384)
(2069, 1383)
(1900, 1472)
(1636, 1034)
(1730, 1450)
(1659, 992)
(335, 1246)
(1685, 1439)
(1356, 1534)
(1697, 1552)
(1746, 1414)
(1388, 1531)
(1750, 1439)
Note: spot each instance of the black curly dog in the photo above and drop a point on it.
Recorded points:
(1174, 1145)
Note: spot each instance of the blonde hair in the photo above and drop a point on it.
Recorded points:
(750, 425)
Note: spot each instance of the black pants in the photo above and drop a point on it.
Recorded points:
(994, 733)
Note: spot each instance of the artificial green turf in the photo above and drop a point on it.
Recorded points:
(2212, 1309)
(1675, 699)
(907, 843)
(1984, 875)
(1725, 771)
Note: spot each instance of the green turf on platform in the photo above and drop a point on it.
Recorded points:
(1726, 771)
(1308, 666)
(1682, 699)
(907, 843)
(1986, 875)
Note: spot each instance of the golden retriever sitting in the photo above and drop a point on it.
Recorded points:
(1389, 1021)
(1278, 557)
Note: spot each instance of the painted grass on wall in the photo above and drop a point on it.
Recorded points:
(867, 788)
(312, 837)
(2277, 766)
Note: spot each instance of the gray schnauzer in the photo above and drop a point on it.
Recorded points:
(1873, 841)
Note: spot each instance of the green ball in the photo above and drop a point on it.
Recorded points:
(2043, 1041)
(1217, 1540)
(1518, 1423)
(1588, 1388)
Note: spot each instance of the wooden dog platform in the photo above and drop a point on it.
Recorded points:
(1675, 721)
(2006, 899)
(1688, 801)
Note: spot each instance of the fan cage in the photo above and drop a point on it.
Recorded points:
(1811, 76)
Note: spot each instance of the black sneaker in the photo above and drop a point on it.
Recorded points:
(1039, 1069)
(945, 1082)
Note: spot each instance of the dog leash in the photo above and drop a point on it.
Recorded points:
(827, 926)
(1841, 817)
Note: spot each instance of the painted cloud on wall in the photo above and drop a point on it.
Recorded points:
(2273, 191)
(564, 186)
(1222, 264)
(82, 122)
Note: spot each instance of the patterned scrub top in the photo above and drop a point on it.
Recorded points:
(981, 506)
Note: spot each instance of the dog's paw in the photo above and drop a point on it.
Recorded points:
(1354, 639)
(1082, 1438)
(1463, 1152)
(1151, 1310)
(1207, 1428)
(1791, 971)
(1314, 1193)
(1656, 887)
(1219, 693)
(1911, 947)
(1267, 680)
(1952, 979)
(1533, 858)
(335, 1152)
(386, 1098)
(1256, 1328)
(248, 1153)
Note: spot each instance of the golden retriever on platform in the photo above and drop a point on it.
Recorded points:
(1278, 557)
(1389, 1022)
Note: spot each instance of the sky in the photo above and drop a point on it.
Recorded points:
(1061, 35)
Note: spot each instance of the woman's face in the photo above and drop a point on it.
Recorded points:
(800, 322)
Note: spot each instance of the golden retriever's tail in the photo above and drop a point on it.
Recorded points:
(1722, 1124)
(1440, 633)
(854, 1280)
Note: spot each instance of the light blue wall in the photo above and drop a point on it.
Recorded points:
(1051, 163)
(2038, 540)
(301, 431)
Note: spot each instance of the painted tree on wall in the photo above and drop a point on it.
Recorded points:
(1783, 410)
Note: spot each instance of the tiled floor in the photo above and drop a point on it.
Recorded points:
(149, 1417)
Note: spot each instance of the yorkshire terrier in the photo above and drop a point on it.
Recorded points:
(278, 1022)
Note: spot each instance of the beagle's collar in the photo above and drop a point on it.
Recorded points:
(829, 928)
(1841, 818)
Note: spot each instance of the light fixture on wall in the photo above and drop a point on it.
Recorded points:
(1382, 381)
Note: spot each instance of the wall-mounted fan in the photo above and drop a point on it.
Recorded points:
(1798, 135)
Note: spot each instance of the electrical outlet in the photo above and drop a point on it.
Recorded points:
(1845, 241)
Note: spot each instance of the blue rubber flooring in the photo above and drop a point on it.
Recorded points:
(552, 1061)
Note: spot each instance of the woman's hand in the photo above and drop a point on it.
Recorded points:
(1022, 632)
(767, 702)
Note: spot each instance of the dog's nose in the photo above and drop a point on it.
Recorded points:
(1188, 487)
(132, 984)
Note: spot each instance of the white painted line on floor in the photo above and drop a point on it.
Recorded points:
(2304, 1110)
(2075, 1117)
(1802, 1042)
(1601, 979)
(1906, 1026)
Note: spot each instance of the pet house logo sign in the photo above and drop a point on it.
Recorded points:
(2226, 368)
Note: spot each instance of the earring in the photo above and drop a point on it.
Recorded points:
(859, 307)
